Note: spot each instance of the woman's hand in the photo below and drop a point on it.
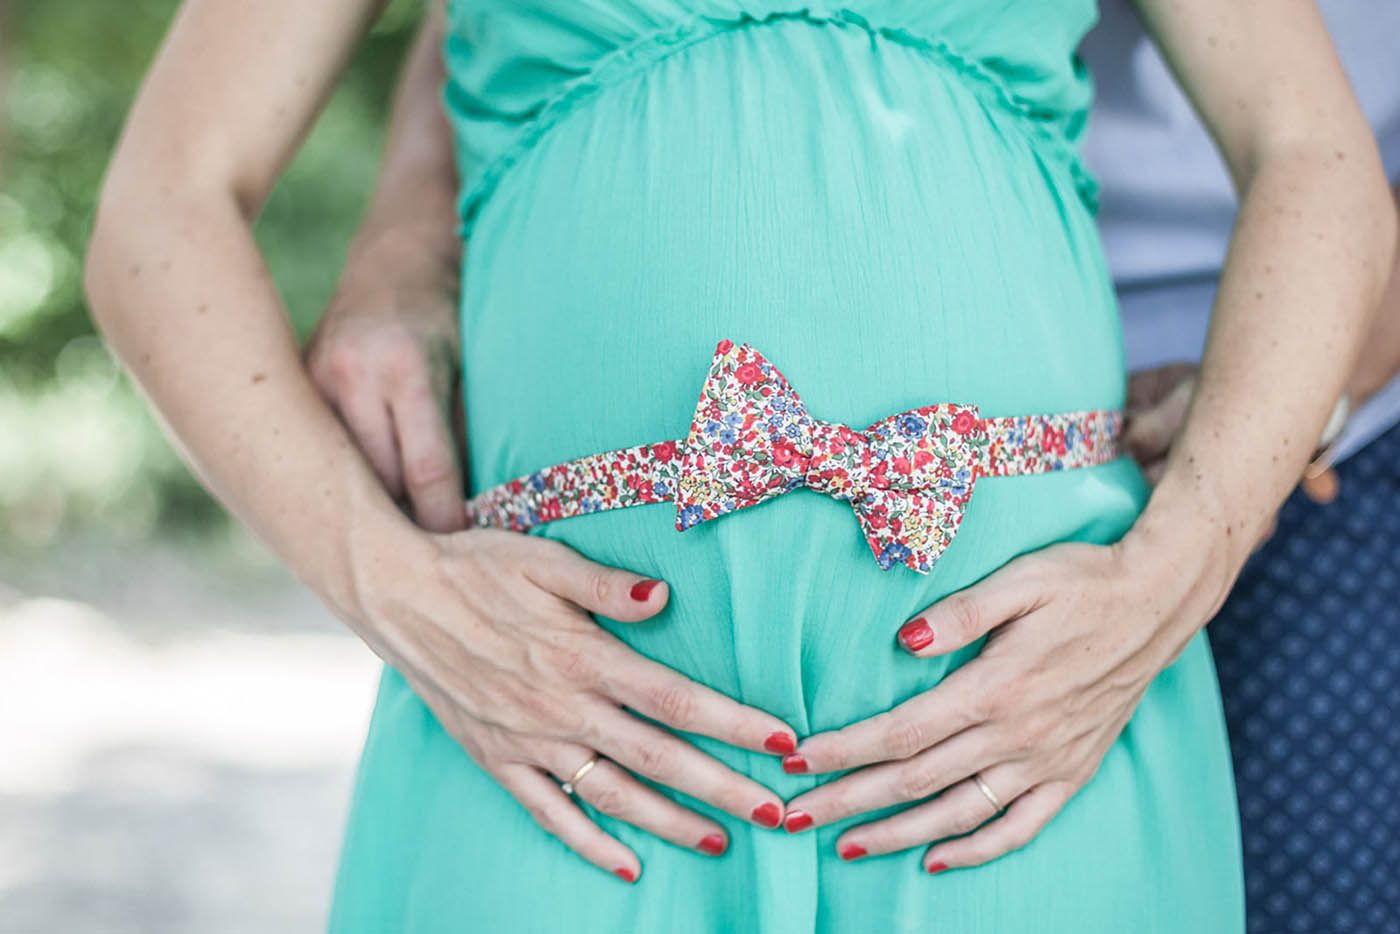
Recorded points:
(492, 630)
(1075, 634)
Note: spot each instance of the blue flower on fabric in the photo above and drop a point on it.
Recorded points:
(712, 428)
(1071, 435)
(893, 553)
(537, 481)
(691, 515)
(728, 436)
(911, 425)
(661, 488)
(589, 504)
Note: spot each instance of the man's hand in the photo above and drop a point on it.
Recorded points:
(1157, 404)
(385, 354)
(386, 361)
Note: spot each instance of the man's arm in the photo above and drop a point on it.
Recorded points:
(1380, 356)
(385, 354)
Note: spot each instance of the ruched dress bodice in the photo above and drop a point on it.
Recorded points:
(525, 66)
(886, 200)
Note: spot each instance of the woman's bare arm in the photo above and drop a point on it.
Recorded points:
(182, 294)
(517, 672)
(1310, 257)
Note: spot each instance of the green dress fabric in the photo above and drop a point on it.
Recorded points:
(885, 200)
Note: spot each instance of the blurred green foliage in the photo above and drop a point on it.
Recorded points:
(79, 452)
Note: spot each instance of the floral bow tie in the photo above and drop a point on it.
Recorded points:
(908, 476)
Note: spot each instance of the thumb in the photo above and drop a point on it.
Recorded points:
(962, 618)
(612, 592)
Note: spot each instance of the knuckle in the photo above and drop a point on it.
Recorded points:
(548, 817)
(966, 821)
(428, 469)
(914, 783)
(655, 760)
(600, 587)
(576, 665)
(342, 363)
(675, 703)
(965, 614)
(610, 801)
(903, 738)
(995, 703)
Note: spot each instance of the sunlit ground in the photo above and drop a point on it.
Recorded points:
(178, 731)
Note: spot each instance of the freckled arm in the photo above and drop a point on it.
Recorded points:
(178, 287)
(1310, 255)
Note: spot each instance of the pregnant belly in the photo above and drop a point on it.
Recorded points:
(856, 213)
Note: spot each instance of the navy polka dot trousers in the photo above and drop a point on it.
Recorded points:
(1308, 652)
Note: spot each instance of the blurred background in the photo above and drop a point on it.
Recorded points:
(179, 720)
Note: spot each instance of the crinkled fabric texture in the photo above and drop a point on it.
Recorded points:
(523, 67)
(899, 223)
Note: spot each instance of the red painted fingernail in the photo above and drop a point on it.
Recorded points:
(915, 634)
(936, 867)
(769, 815)
(642, 589)
(797, 820)
(852, 851)
(625, 873)
(780, 743)
(794, 764)
(714, 844)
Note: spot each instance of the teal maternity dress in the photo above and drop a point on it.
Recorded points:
(886, 201)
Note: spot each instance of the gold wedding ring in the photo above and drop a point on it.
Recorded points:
(582, 771)
(988, 794)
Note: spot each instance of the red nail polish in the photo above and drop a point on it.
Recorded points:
(714, 844)
(852, 851)
(794, 764)
(624, 873)
(780, 742)
(797, 820)
(936, 867)
(915, 634)
(769, 815)
(642, 589)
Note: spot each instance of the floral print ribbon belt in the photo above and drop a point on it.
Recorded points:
(908, 476)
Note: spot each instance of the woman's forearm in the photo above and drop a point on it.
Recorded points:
(1310, 256)
(177, 285)
(183, 297)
